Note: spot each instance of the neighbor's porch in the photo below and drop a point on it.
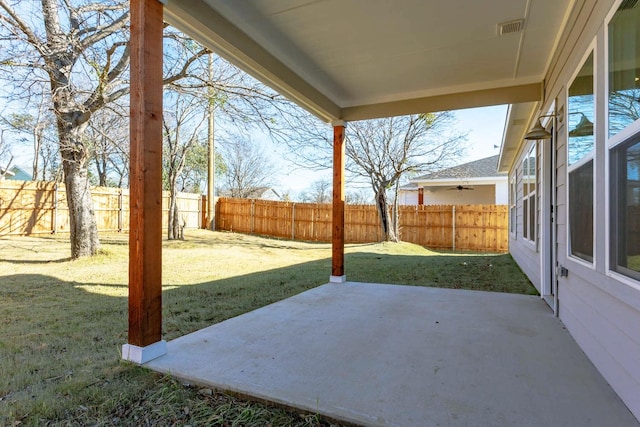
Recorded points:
(389, 355)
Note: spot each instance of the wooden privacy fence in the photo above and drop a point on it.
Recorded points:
(462, 227)
(41, 208)
(34, 207)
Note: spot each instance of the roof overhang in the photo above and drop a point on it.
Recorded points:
(365, 59)
(518, 120)
(485, 180)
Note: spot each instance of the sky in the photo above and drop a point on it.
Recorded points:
(484, 126)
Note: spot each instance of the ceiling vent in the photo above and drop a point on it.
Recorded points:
(628, 4)
(511, 27)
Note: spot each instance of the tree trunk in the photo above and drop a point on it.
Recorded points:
(173, 232)
(82, 222)
(388, 233)
(396, 213)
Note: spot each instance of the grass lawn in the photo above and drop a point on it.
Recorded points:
(63, 322)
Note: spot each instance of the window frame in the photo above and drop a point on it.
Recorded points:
(588, 157)
(612, 144)
(513, 204)
(531, 194)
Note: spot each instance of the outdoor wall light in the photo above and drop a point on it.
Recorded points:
(584, 127)
(538, 131)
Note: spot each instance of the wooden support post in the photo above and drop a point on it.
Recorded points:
(337, 235)
(421, 196)
(145, 235)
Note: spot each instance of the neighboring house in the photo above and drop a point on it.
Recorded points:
(473, 183)
(6, 174)
(569, 66)
(19, 174)
(255, 193)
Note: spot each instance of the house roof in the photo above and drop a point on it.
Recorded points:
(21, 174)
(361, 59)
(483, 168)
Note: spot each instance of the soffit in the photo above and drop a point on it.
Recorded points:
(518, 121)
(356, 59)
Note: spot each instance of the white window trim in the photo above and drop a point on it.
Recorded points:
(531, 148)
(611, 142)
(513, 204)
(585, 159)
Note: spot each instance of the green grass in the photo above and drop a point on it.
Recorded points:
(63, 322)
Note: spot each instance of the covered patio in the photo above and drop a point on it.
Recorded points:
(388, 355)
(366, 353)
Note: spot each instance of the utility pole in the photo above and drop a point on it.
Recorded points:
(211, 192)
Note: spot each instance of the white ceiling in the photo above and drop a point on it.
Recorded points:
(353, 59)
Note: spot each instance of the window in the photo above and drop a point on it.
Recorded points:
(624, 150)
(625, 203)
(580, 144)
(624, 62)
(581, 211)
(512, 204)
(529, 185)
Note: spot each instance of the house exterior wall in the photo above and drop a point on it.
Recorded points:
(488, 194)
(600, 308)
(525, 251)
(502, 193)
(480, 195)
(406, 197)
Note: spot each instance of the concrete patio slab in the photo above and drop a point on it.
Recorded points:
(388, 355)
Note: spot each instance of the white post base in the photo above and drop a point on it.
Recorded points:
(337, 279)
(141, 355)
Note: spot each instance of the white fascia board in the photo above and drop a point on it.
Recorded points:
(529, 92)
(449, 181)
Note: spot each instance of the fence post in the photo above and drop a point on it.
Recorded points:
(120, 210)
(253, 214)
(200, 212)
(55, 208)
(293, 221)
(454, 227)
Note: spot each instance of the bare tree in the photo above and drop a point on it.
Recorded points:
(107, 137)
(357, 197)
(249, 170)
(182, 123)
(382, 152)
(5, 154)
(319, 192)
(80, 50)
(193, 178)
(40, 128)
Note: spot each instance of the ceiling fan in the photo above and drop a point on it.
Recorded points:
(461, 187)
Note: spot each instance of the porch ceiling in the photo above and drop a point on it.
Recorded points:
(362, 59)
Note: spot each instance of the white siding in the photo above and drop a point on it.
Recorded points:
(600, 312)
(523, 251)
(502, 193)
(480, 195)
(407, 197)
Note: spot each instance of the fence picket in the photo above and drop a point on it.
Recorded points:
(463, 227)
(41, 208)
